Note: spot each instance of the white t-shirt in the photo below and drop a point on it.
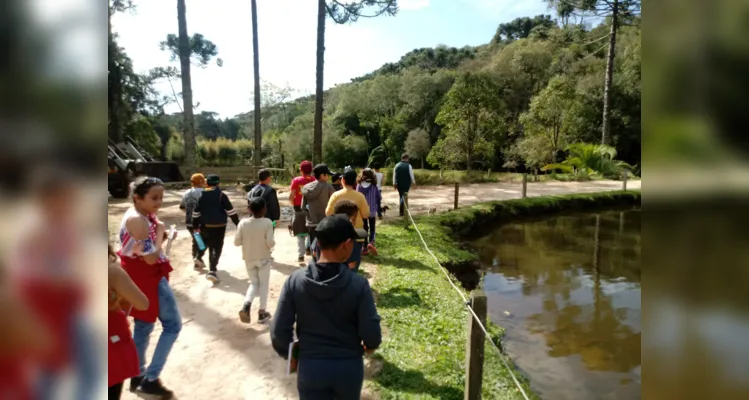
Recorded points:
(379, 176)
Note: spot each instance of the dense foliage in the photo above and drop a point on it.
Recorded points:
(516, 102)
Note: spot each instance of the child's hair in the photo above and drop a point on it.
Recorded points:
(367, 175)
(263, 174)
(143, 184)
(257, 204)
(197, 179)
(336, 177)
(347, 207)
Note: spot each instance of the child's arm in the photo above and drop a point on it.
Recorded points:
(270, 241)
(138, 229)
(120, 281)
(229, 208)
(331, 205)
(238, 235)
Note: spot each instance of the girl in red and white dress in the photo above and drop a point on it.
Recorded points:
(141, 256)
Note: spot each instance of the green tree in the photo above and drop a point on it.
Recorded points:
(340, 12)
(184, 47)
(619, 12)
(470, 119)
(550, 117)
(418, 144)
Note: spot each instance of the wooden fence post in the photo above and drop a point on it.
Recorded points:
(457, 189)
(525, 184)
(475, 347)
(624, 181)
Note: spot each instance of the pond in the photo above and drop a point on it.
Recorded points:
(567, 291)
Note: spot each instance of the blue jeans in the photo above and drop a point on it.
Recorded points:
(355, 255)
(171, 322)
(86, 366)
(339, 379)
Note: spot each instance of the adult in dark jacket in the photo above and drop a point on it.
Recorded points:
(403, 181)
(315, 197)
(209, 218)
(268, 193)
(335, 315)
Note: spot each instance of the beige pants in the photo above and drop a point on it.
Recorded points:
(259, 274)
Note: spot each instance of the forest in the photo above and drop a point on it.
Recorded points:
(532, 96)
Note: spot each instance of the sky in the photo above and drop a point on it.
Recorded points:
(287, 38)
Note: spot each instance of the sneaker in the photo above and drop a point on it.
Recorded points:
(198, 264)
(263, 317)
(211, 276)
(155, 388)
(308, 252)
(301, 259)
(244, 313)
(135, 382)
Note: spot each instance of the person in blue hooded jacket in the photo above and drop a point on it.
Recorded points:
(335, 315)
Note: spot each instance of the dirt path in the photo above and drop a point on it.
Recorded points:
(216, 356)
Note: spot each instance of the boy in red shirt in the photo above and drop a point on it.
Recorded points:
(295, 198)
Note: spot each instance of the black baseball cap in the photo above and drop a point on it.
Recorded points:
(334, 230)
(321, 169)
(212, 180)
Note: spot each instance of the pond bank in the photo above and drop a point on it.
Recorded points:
(423, 352)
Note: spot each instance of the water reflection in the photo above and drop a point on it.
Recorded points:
(567, 290)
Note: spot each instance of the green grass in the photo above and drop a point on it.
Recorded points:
(423, 353)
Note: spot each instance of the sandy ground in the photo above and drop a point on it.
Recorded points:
(216, 356)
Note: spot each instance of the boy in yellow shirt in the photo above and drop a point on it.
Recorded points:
(349, 193)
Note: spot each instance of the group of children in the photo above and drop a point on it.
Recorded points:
(146, 294)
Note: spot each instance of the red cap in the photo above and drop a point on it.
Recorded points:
(305, 167)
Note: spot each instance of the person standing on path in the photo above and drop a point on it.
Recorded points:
(268, 193)
(367, 186)
(141, 256)
(255, 235)
(349, 193)
(209, 218)
(380, 178)
(403, 180)
(188, 204)
(315, 197)
(335, 315)
(295, 198)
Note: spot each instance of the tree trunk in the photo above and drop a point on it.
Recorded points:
(184, 61)
(606, 128)
(317, 139)
(257, 156)
(422, 162)
(115, 83)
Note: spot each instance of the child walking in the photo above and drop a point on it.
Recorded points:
(367, 185)
(188, 204)
(209, 218)
(380, 178)
(141, 256)
(255, 235)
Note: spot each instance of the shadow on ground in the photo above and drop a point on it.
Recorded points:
(398, 297)
(412, 381)
(401, 263)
